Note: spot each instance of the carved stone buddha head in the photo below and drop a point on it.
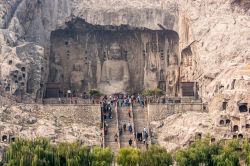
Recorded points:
(173, 60)
(115, 51)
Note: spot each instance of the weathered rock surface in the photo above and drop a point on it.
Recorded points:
(58, 123)
(214, 50)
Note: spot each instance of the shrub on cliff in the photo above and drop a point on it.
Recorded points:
(152, 92)
(94, 93)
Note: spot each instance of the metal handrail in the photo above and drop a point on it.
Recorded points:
(117, 124)
(132, 119)
(148, 125)
(103, 128)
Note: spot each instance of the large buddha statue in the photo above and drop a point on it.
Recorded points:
(115, 74)
(172, 76)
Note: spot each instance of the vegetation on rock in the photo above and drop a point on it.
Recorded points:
(94, 93)
(152, 92)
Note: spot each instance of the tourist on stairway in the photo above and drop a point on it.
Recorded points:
(105, 130)
(145, 130)
(145, 133)
(116, 137)
(146, 136)
(124, 127)
(110, 111)
(130, 128)
(130, 142)
(129, 112)
(120, 131)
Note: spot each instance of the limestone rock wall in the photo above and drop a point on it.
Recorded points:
(157, 112)
(58, 123)
(208, 30)
(213, 47)
(22, 72)
(215, 37)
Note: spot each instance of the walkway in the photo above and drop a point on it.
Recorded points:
(124, 119)
(112, 130)
(138, 120)
(141, 121)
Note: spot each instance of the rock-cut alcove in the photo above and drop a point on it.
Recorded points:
(111, 59)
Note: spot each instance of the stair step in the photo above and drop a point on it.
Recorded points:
(112, 130)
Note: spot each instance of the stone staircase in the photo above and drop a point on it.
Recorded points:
(109, 139)
(124, 118)
(140, 121)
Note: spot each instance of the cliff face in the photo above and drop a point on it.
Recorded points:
(215, 32)
(213, 38)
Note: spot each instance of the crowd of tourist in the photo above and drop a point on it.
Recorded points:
(108, 105)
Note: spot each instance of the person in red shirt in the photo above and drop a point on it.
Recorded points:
(129, 112)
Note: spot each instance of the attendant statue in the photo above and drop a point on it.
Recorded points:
(115, 74)
(56, 70)
(77, 75)
(172, 76)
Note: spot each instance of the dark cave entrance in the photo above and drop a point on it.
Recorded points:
(243, 107)
(235, 128)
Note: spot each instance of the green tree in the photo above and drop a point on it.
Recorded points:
(128, 156)
(102, 157)
(200, 152)
(246, 151)
(40, 152)
(156, 156)
(29, 153)
(72, 154)
(229, 154)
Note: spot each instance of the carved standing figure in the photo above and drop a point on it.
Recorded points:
(172, 76)
(77, 75)
(115, 73)
(56, 70)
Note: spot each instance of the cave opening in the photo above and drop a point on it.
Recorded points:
(12, 139)
(198, 135)
(135, 59)
(224, 105)
(4, 138)
(213, 140)
(228, 121)
(243, 107)
(10, 62)
(235, 128)
(222, 122)
(240, 136)
(186, 55)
